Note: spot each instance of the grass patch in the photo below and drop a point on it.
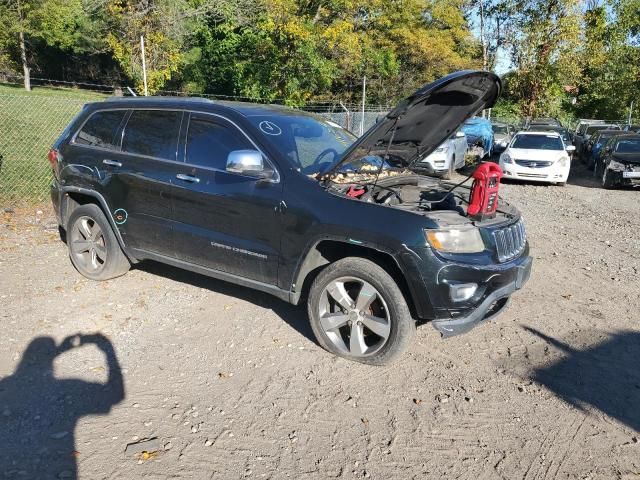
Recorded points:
(52, 92)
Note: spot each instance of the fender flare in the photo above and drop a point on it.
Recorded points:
(105, 207)
(303, 268)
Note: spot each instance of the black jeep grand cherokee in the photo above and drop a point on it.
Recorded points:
(288, 203)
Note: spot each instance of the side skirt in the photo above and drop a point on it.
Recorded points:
(210, 272)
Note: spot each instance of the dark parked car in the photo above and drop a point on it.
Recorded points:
(564, 133)
(594, 147)
(536, 123)
(581, 129)
(288, 203)
(589, 131)
(620, 163)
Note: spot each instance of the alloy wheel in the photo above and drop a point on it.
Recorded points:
(354, 316)
(88, 244)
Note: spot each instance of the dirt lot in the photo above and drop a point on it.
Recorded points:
(232, 384)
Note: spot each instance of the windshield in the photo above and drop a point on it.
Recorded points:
(628, 146)
(503, 129)
(538, 142)
(312, 144)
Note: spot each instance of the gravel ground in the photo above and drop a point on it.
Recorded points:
(226, 382)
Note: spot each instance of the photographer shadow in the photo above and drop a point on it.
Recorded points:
(604, 376)
(39, 413)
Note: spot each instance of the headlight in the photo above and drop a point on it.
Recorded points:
(616, 166)
(466, 240)
(506, 158)
(563, 161)
(442, 148)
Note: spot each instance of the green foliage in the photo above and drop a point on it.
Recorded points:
(610, 60)
(298, 51)
(544, 51)
(301, 51)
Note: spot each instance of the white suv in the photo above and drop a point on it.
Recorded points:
(538, 157)
(449, 156)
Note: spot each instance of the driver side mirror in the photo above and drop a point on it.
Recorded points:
(571, 148)
(248, 162)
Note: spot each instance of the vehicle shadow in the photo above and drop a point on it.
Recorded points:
(581, 176)
(39, 412)
(605, 376)
(295, 316)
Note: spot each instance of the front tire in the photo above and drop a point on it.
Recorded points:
(358, 312)
(93, 247)
(607, 181)
(452, 166)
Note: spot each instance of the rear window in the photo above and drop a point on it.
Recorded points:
(153, 133)
(100, 129)
(538, 142)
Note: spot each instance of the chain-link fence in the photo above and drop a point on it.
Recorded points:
(28, 127)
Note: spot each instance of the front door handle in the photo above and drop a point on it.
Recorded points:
(187, 178)
(113, 163)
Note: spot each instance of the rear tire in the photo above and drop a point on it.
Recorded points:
(358, 312)
(93, 247)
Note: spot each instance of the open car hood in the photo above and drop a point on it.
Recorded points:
(425, 119)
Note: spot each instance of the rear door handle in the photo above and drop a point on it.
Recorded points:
(113, 163)
(187, 178)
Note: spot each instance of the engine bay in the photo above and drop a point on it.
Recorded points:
(415, 193)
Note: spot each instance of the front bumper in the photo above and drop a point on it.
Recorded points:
(553, 173)
(624, 173)
(492, 304)
(438, 162)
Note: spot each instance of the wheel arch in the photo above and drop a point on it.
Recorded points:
(74, 197)
(326, 251)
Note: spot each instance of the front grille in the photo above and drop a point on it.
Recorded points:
(532, 175)
(510, 241)
(533, 163)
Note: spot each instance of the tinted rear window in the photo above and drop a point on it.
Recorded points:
(100, 130)
(153, 133)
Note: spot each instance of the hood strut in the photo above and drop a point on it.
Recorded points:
(386, 153)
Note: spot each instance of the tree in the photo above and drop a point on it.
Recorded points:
(610, 59)
(302, 50)
(544, 49)
(59, 23)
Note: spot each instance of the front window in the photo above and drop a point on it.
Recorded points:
(313, 145)
(631, 145)
(538, 142)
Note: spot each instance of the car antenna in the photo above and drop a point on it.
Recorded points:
(386, 153)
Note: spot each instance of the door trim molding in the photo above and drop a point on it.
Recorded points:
(218, 274)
